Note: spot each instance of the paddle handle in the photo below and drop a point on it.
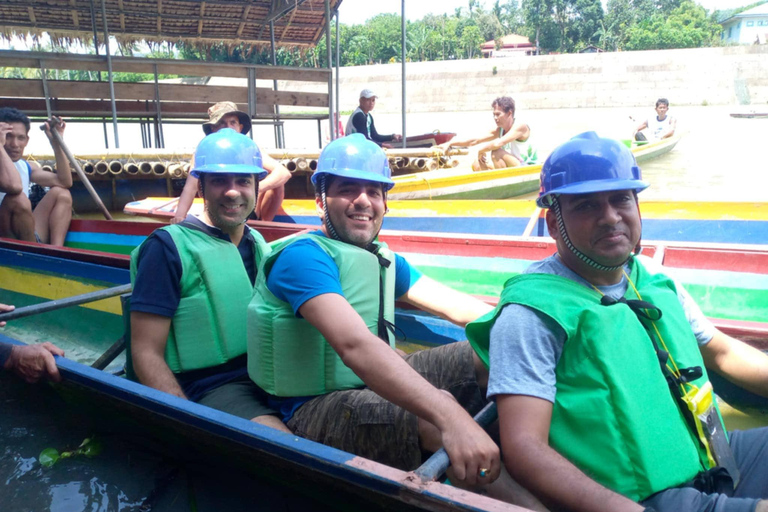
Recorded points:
(65, 303)
(436, 465)
(72, 160)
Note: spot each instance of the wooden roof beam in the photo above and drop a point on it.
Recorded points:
(75, 17)
(287, 26)
(122, 16)
(243, 19)
(159, 17)
(200, 21)
(31, 11)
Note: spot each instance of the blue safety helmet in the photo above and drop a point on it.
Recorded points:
(227, 151)
(355, 157)
(588, 163)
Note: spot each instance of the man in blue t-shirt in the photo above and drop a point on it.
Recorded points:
(187, 325)
(314, 325)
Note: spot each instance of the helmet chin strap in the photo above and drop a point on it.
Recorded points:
(327, 218)
(567, 241)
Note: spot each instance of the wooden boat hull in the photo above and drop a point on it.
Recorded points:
(493, 184)
(717, 222)
(751, 115)
(426, 140)
(729, 282)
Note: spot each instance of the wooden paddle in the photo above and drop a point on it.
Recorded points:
(57, 137)
(53, 305)
(532, 222)
(436, 465)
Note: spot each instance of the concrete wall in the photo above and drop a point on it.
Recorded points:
(714, 76)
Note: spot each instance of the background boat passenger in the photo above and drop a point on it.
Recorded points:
(505, 142)
(48, 222)
(192, 283)
(321, 336)
(658, 127)
(361, 120)
(271, 191)
(30, 362)
(596, 355)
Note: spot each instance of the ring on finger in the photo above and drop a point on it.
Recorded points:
(483, 472)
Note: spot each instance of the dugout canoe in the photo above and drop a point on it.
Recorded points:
(463, 183)
(678, 221)
(32, 273)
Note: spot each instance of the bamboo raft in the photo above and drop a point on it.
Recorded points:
(159, 163)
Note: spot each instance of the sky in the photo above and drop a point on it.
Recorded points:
(355, 12)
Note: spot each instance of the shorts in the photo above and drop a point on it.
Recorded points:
(750, 449)
(240, 397)
(361, 422)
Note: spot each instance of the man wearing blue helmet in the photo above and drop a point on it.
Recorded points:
(604, 401)
(192, 283)
(321, 340)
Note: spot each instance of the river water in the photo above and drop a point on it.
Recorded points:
(719, 158)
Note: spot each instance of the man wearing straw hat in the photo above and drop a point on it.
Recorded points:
(48, 222)
(192, 283)
(271, 191)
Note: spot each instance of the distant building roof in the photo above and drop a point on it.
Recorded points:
(760, 10)
(509, 41)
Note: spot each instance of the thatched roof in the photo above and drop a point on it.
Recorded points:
(202, 23)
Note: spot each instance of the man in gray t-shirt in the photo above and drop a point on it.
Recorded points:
(592, 350)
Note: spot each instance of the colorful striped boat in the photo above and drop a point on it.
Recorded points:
(680, 221)
(462, 183)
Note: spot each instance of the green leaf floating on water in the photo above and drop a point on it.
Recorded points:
(90, 447)
(49, 457)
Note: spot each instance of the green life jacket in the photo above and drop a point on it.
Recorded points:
(614, 416)
(208, 328)
(287, 356)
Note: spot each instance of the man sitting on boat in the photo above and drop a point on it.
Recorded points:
(271, 191)
(505, 142)
(192, 283)
(361, 120)
(659, 127)
(30, 362)
(597, 359)
(48, 222)
(321, 334)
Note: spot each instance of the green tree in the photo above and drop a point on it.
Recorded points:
(471, 41)
(687, 26)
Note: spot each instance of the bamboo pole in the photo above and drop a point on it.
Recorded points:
(72, 160)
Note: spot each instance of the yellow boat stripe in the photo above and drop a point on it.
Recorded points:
(52, 288)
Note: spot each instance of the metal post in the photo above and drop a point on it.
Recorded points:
(328, 55)
(45, 87)
(279, 135)
(338, 37)
(98, 75)
(402, 51)
(251, 94)
(109, 71)
(159, 139)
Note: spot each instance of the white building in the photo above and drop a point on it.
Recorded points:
(748, 27)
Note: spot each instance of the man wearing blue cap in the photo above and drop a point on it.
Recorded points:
(597, 361)
(321, 340)
(192, 283)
